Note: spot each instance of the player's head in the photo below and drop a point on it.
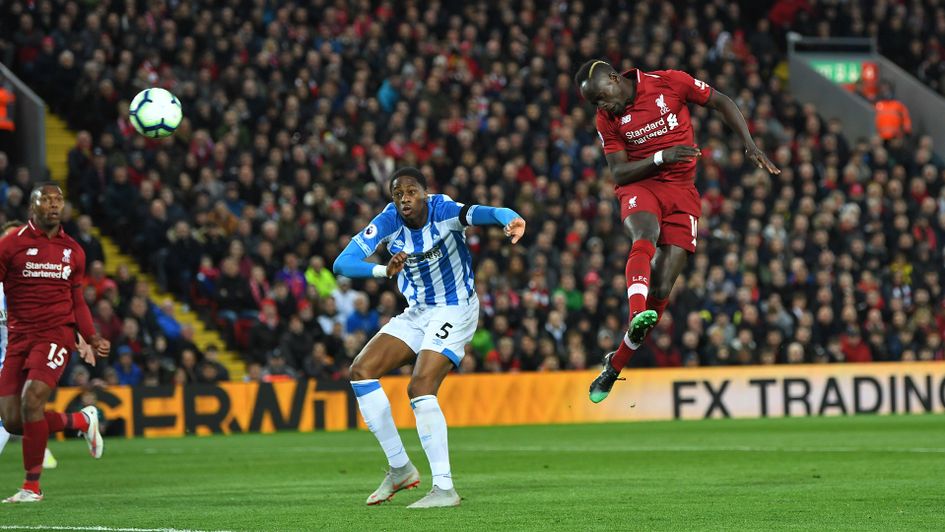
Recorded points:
(46, 204)
(601, 85)
(9, 227)
(408, 189)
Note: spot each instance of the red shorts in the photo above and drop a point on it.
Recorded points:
(677, 208)
(41, 356)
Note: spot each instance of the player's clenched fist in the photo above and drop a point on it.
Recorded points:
(396, 264)
(515, 230)
(681, 154)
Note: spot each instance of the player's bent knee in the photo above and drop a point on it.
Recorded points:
(420, 386)
(34, 402)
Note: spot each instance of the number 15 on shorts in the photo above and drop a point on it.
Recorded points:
(57, 356)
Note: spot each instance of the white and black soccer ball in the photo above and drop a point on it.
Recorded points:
(155, 113)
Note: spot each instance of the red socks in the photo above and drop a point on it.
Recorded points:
(59, 422)
(638, 275)
(35, 436)
(624, 352)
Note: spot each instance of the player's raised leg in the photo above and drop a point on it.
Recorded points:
(381, 355)
(432, 367)
(643, 227)
(668, 263)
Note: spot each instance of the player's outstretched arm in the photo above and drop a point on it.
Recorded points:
(733, 117)
(351, 263)
(512, 223)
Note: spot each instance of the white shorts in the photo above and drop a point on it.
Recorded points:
(444, 329)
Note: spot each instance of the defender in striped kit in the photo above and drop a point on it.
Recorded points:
(424, 234)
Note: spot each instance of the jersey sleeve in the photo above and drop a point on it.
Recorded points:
(687, 87)
(78, 274)
(451, 212)
(609, 135)
(377, 232)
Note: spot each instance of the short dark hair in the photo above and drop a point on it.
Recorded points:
(584, 73)
(407, 171)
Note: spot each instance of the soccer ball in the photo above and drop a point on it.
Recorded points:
(155, 113)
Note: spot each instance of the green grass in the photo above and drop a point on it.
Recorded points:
(851, 473)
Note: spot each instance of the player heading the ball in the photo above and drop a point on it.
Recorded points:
(644, 127)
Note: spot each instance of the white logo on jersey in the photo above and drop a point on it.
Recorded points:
(32, 251)
(370, 231)
(66, 255)
(632, 202)
(602, 143)
(624, 120)
(66, 272)
(673, 123)
(700, 84)
(661, 103)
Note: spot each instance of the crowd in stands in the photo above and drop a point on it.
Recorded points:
(297, 112)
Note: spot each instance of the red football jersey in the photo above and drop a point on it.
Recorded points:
(39, 274)
(657, 119)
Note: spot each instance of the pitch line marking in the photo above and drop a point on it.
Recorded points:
(99, 528)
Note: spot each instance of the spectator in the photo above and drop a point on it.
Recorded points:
(363, 319)
(128, 372)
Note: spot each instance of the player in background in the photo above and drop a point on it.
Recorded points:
(644, 126)
(425, 234)
(41, 268)
(49, 461)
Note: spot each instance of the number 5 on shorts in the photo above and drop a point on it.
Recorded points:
(56, 358)
(444, 331)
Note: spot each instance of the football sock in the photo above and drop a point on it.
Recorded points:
(35, 437)
(659, 305)
(4, 437)
(638, 275)
(624, 353)
(55, 421)
(431, 426)
(76, 421)
(375, 409)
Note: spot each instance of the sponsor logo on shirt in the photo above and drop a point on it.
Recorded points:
(433, 254)
(32, 252)
(624, 120)
(46, 270)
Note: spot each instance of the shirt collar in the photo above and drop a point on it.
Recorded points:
(37, 232)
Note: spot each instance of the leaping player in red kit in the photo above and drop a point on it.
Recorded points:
(41, 269)
(643, 123)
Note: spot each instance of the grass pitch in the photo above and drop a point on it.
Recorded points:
(852, 473)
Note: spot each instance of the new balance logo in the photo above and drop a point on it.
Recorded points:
(624, 120)
(661, 103)
(632, 202)
(32, 251)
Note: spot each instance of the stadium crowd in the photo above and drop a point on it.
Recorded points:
(296, 113)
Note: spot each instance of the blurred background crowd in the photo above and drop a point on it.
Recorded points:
(297, 112)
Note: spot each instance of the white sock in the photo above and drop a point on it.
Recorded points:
(375, 409)
(4, 437)
(431, 425)
(631, 345)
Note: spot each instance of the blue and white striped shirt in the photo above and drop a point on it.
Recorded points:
(438, 270)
